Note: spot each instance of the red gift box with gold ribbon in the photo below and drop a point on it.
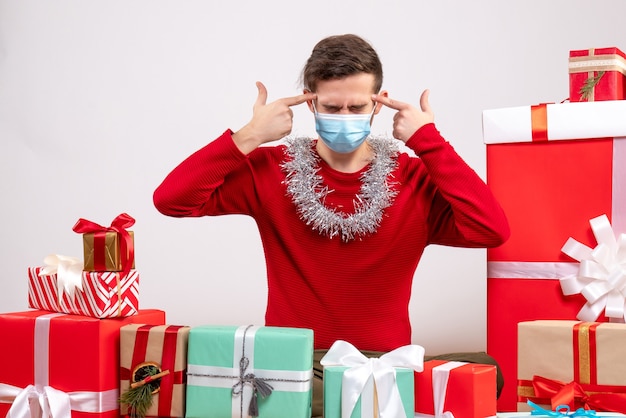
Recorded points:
(552, 167)
(597, 74)
(162, 349)
(65, 364)
(573, 363)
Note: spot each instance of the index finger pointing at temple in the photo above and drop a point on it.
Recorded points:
(296, 100)
(391, 103)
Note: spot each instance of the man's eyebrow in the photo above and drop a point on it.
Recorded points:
(334, 106)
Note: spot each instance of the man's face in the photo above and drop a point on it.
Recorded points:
(352, 94)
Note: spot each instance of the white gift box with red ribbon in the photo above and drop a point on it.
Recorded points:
(555, 122)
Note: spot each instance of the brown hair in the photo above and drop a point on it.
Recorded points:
(340, 56)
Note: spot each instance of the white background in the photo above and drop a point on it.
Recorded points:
(99, 100)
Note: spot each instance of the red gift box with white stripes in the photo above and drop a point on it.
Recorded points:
(103, 294)
(62, 362)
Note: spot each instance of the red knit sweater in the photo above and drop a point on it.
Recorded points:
(357, 291)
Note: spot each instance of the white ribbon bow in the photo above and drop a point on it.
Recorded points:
(382, 370)
(47, 402)
(69, 271)
(601, 277)
(50, 402)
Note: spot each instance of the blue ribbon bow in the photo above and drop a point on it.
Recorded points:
(561, 411)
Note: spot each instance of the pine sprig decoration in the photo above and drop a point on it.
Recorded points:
(587, 89)
(138, 399)
(140, 396)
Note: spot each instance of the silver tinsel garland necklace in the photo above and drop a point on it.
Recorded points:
(306, 187)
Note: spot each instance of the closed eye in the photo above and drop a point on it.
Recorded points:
(353, 109)
(331, 109)
(357, 108)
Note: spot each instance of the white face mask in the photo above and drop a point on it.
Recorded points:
(343, 133)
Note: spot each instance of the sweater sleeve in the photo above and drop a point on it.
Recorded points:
(194, 187)
(464, 212)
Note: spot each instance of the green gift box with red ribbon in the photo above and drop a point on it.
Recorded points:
(108, 248)
(574, 363)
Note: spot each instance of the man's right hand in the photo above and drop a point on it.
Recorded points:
(270, 122)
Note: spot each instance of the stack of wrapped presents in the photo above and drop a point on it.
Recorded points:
(62, 357)
(86, 349)
(556, 289)
(556, 304)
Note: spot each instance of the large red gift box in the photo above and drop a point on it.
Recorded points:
(102, 294)
(63, 361)
(553, 168)
(603, 70)
(466, 390)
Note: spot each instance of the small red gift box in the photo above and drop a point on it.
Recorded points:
(466, 390)
(552, 168)
(164, 348)
(573, 363)
(63, 361)
(103, 294)
(597, 74)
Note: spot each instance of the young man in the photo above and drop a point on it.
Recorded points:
(343, 219)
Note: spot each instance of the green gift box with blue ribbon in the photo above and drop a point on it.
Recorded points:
(242, 371)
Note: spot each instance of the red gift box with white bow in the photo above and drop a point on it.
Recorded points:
(553, 168)
(54, 364)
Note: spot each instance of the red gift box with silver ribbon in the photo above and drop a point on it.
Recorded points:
(553, 167)
(59, 365)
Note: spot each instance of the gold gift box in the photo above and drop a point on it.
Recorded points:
(111, 249)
